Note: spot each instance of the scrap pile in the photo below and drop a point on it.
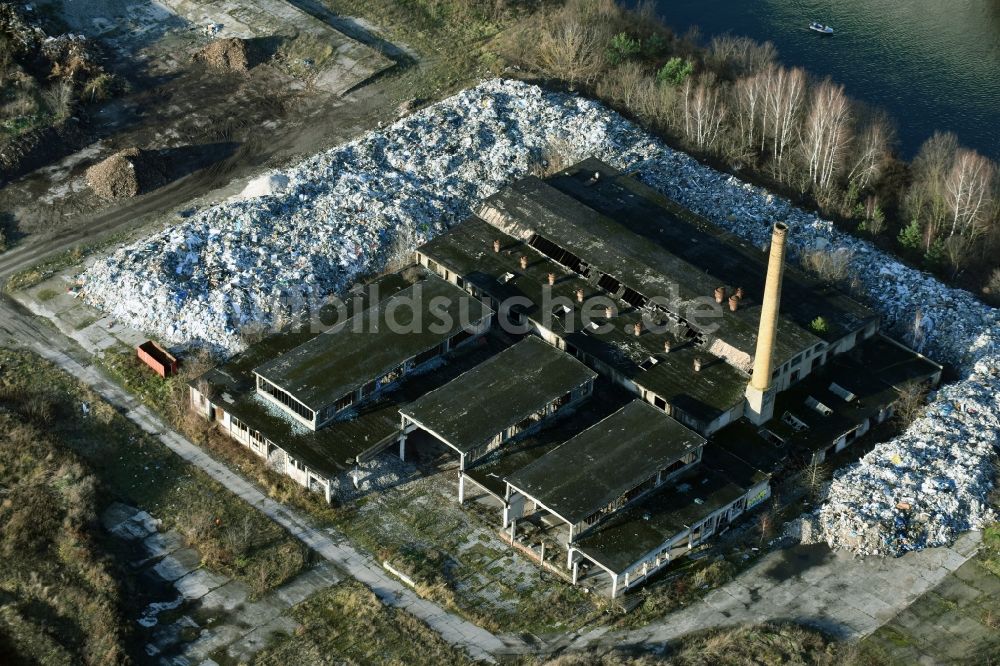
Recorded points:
(929, 484)
(125, 174)
(338, 214)
(229, 55)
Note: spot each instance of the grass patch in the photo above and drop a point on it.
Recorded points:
(348, 624)
(45, 295)
(768, 643)
(60, 594)
(135, 468)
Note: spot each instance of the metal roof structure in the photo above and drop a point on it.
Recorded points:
(470, 410)
(374, 341)
(612, 457)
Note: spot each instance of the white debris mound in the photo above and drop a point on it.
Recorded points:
(341, 212)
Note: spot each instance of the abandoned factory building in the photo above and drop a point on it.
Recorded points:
(619, 378)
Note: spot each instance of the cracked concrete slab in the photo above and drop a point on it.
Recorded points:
(179, 563)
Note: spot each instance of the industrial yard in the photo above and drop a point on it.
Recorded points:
(511, 486)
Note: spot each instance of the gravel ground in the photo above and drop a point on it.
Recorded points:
(342, 213)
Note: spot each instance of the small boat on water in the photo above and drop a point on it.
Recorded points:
(820, 28)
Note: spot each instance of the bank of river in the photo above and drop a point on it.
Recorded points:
(931, 65)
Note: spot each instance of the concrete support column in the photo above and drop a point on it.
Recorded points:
(542, 556)
(513, 528)
(328, 492)
(461, 487)
(576, 572)
(402, 445)
(614, 585)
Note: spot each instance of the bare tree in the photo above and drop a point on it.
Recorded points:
(827, 133)
(968, 192)
(785, 91)
(925, 200)
(872, 151)
(704, 111)
(910, 404)
(749, 95)
(740, 55)
(570, 48)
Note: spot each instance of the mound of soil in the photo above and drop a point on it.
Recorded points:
(126, 174)
(230, 54)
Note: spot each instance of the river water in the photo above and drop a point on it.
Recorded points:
(931, 64)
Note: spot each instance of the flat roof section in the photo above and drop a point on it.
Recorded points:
(639, 530)
(715, 252)
(469, 411)
(364, 347)
(591, 470)
(467, 250)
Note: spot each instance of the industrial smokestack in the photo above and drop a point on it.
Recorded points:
(760, 397)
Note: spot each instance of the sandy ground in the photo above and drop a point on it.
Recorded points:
(209, 128)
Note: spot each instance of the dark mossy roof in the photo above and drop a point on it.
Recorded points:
(607, 460)
(624, 229)
(365, 346)
(644, 527)
(361, 431)
(492, 470)
(469, 411)
(467, 250)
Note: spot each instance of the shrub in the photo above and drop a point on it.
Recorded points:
(675, 71)
(818, 325)
(911, 236)
(623, 47)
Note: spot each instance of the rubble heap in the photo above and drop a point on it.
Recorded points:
(229, 54)
(125, 174)
(339, 213)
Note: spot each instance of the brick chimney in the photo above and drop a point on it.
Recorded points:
(760, 393)
(720, 294)
(524, 262)
(579, 295)
(637, 328)
(496, 245)
(552, 279)
(607, 312)
(739, 292)
(697, 364)
(734, 303)
(666, 346)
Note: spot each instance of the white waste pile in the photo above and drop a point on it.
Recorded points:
(927, 486)
(339, 213)
(336, 217)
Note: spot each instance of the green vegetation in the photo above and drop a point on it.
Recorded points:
(818, 325)
(623, 48)
(456, 560)
(60, 600)
(675, 71)
(768, 643)
(135, 468)
(347, 624)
